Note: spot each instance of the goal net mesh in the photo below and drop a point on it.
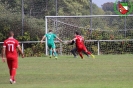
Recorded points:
(111, 28)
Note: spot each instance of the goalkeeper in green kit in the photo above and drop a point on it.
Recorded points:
(50, 42)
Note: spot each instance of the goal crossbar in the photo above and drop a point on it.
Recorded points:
(87, 16)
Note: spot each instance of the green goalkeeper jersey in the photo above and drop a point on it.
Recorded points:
(50, 37)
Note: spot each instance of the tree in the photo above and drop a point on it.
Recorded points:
(109, 6)
(13, 5)
(77, 7)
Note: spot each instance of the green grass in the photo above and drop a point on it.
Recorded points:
(106, 71)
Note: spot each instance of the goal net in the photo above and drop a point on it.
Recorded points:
(104, 34)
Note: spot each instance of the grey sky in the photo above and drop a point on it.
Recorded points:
(101, 2)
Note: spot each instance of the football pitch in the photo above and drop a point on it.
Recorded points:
(106, 71)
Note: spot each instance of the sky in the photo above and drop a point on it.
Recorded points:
(101, 2)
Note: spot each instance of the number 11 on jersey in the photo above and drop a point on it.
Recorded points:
(11, 47)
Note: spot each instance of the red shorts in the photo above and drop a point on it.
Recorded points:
(81, 48)
(12, 63)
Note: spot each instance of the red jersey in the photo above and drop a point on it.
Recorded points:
(11, 45)
(79, 40)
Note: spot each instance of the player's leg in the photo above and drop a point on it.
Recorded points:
(14, 68)
(73, 51)
(50, 50)
(12, 65)
(79, 49)
(54, 50)
(85, 53)
(80, 53)
(10, 68)
(88, 52)
(55, 54)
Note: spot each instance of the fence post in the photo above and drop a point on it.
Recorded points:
(22, 47)
(22, 13)
(90, 16)
(46, 28)
(98, 44)
(125, 28)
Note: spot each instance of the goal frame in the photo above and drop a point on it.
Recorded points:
(98, 44)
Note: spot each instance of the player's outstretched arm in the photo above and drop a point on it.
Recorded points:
(3, 54)
(20, 50)
(59, 39)
(71, 42)
(43, 39)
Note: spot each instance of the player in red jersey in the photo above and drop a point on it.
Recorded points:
(80, 45)
(10, 51)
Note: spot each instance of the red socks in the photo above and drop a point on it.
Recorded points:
(81, 55)
(12, 74)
